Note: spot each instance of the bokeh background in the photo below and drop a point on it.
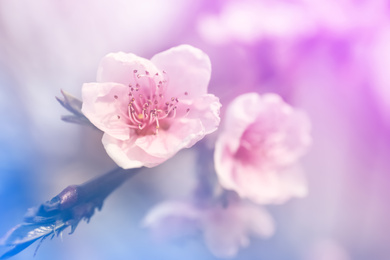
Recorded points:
(330, 58)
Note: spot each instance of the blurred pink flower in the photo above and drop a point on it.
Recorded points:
(224, 229)
(256, 154)
(149, 110)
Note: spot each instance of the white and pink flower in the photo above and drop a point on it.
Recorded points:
(257, 153)
(225, 230)
(150, 109)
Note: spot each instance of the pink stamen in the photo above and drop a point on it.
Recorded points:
(148, 107)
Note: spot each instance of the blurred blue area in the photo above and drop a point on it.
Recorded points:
(16, 156)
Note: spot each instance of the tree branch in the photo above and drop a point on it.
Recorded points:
(68, 208)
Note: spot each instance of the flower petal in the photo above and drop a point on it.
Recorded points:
(224, 162)
(127, 155)
(172, 220)
(119, 67)
(241, 112)
(205, 108)
(258, 221)
(226, 230)
(104, 104)
(268, 186)
(188, 70)
(181, 134)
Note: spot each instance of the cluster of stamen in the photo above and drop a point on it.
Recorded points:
(148, 109)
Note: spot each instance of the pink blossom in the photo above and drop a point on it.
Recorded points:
(224, 229)
(256, 154)
(149, 110)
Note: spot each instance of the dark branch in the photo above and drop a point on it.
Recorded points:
(68, 208)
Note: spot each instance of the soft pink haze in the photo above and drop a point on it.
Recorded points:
(151, 109)
(257, 153)
(225, 230)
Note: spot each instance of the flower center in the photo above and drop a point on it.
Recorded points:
(148, 108)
